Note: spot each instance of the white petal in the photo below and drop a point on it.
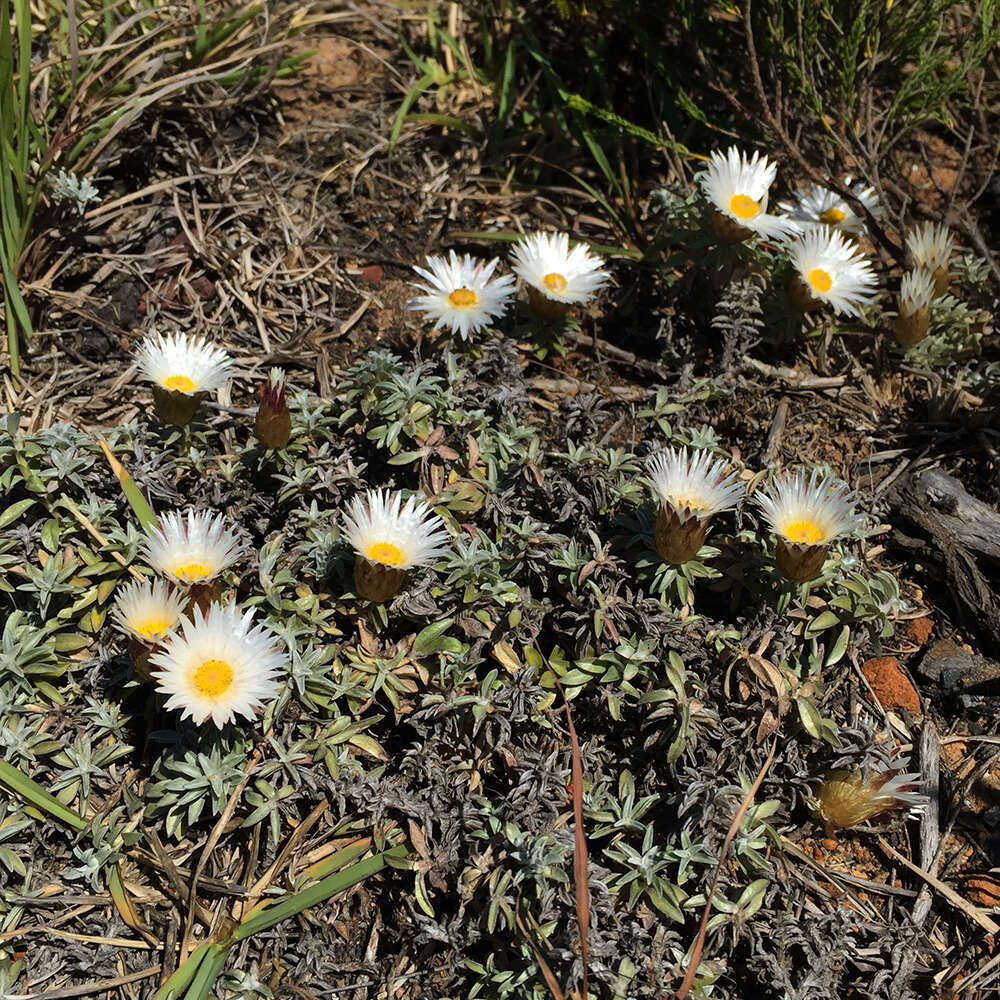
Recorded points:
(694, 484)
(826, 504)
(852, 278)
(487, 296)
(202, 541)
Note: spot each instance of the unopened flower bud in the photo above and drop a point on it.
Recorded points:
(916, 291)
(273, 425)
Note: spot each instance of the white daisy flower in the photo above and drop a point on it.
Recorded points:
(811, 511)
(461, 293)
(192, 551)
(807, 516)
(384, 530)
(183, 363)
(148, 609)
(691, 487)
(738, 190)
(930, 245)
(545, 262)
(832, 270)
(692, 484)
(219, 665)
(817, 206)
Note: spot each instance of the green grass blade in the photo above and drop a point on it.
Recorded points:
(28, 790)
(506, 83)
(411, 95)
(445, 121)
(461, 56)
(143, 512)
(229, 27)
(207, 972)
(597, 197)
(185, 973)
(22, 15)
(296, 902)
(579, 103)
(20, 140)
(338, 859)
(201, 34)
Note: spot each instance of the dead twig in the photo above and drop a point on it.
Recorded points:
(579, 842)
(945, 891)
(100, 986)
(894, 250)
(773, 446)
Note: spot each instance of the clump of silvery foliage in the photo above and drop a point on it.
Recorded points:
(68, 189)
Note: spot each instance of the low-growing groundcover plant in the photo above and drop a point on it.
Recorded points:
(448, 680)
(434, 718)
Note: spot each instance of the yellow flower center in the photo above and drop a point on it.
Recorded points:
(193, 571)
(555, 282)
(153, 628)
(820, 280)
(806, 532)
(463, 298)
(179, 383)
(386, 553)
(743, 206)
(213, 678)
(692, 503)
(832, 216)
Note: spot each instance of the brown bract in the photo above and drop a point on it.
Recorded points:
(847, 799)
(729, 230)
(174, 407)
(799, 562)
(376, 582)
(678, 539)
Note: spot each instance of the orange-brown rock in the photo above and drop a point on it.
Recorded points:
(919, 630)
(891, 685)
